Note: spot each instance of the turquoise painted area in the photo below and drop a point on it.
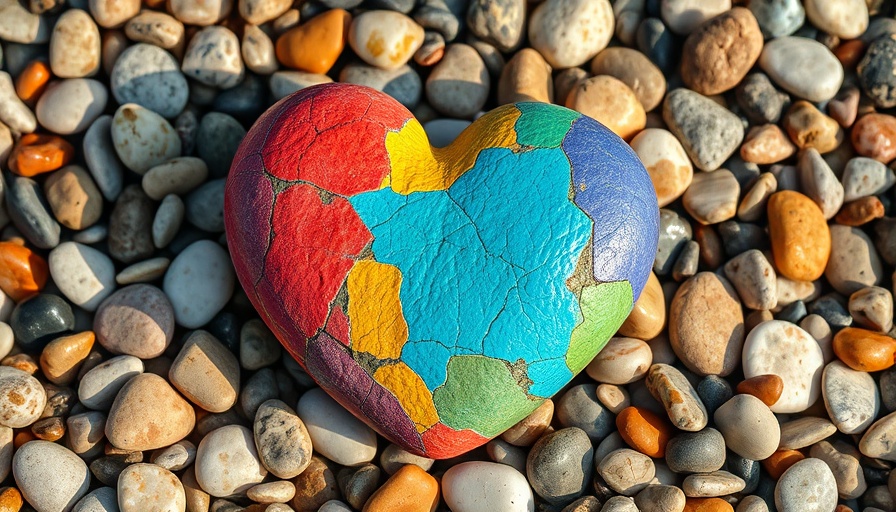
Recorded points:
(472, 281)
(543, 126)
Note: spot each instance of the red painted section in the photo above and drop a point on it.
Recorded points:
(337, 326)
(443, 442)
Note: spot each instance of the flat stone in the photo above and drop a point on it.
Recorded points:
(708, 132)
(336, 433)
(75, 200)
(176, 457)
(49, 476)
(155, 28)
(149, 76)
(83, 274)
(143, 138)
(657, 498)
(136, 320)
(459, 84)
(808, 485)
(477, 485)
(818, 75)
(143, 272)
(696, 452)
(199, 282)
(749, 427)
(621, 361)
(864, 177)
(283, 443)
(712, 197)
(683, 16)
(147, 414)
(579, 407)
(803, 432)
(206, 372)
(71, 106)
(626, 471)
(710, 485)
(167, 221)
(98, 387)
(683, 406)
(101, 158)
(843, 460)
(854, 263)
(820, 183)
(148, 486)
(635, 70)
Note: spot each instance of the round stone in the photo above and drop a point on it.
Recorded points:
(72, 105)
(283, 443)
(749, 427)
(809, 486)
(213, 58)
(621, 361)
(696, 452)
(666, 162)
(49, 476)
(23, 398)
(143, 486)
(854, 263)
(800, 238)
(846, 19)
(39, 319)
(458, 86)
(83, 274)
(137, 320)
(626, 471)
(611, 102)
(336, 433)
(98, 387)
(718, 54)
(477, 485)
(712, 197)
(147, 414)
(386, 49)
(566, 45)
(143, 138)
(227, 462)
(199, 282)
(683, 16)
(803, 67)
(150, 77)
(579, 407)
(636, 71)
(778, 17)
(559, 465)
(75, 45)
(783, 349)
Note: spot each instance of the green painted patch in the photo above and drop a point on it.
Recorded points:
(536, 128)
(605, 306)
(482, 395)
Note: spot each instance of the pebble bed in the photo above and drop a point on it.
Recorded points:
(754, 374)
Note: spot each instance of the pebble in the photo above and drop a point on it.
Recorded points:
(143, 272)
(864, 177)
(73, 197)
(683, 16)
(526, 77)
(13, 113)
(808, 127)
(778, 18)
(315, 486)
(167, 220)
(808, 485)
(766, 144)
(402, 84)
(257, 12)
(854, 264)
(136, 320)
(565, 46)
(712, 197)
(710, 342)
(621, 361)
(113, 14)
(22, 26)
(820, 183)
(394, 457)
(30, 213)
(206, 372)
(846, 19)
(70, 106)
(75, 45)
(660, 498)
(817, 77)
(23, 274)
(99, 386)
(683, 406)
(199, 283)
(559, 465)
(272, 492)
(718, 53)
(579, 407)
(142, 138)
(863, 350)
(283, 443)
(619, 504)
(758, 98)
(147, 414)
(476, 485)
(458, 85)
(227, 462)
(39, 319)
(529, 429)
(149, 76)
(875, 72)
(155, 28)
(666, 162)
(805, 431)
(626, 471)
(505, 453)
(711, 485)
(23, 398)
(49, 476)
(130, 237)
(61, 359)
(389, 49)
(843, 460)
(217, 140)
(258, 345)
(205, 206)
(872, 307)
(636, 71)
(213, 58)
(315, 45)
(648, 316)
(102, 499)
(335, 433)
(800, 238)
(850, 397)
(767, 388)
(874, 136)
(176, 457)
(643, 430)
(696, 452)
(754, 279)
(101, 158)
(708, 132)
(611, 102)
(148, 486)
(749, 427)
(39, 153)
(258, 51)
(83, 274)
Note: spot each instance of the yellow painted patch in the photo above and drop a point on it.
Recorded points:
(411, 392)
(418, 167)
(377, 323)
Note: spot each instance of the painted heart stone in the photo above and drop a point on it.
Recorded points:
(440, 294)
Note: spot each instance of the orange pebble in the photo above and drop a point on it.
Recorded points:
(644, 431)
(410, 489)
(315, 45)
(864, 350)
(22, 437)
(10, 499)
(39, 153)
(860, 212)
(33, 80)
(874, 135)
(707, 505)
(767, 388)
(842, 508)
(22, 272)
(850, 52)
(780, 461)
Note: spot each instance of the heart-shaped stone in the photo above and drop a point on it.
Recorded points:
(440, 294)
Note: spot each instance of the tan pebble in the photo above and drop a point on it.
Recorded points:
(532, 427)
(206, 372)
(526, 77)
(712, 196)
(258, 51)
(314, 487)
(648, 316)
(874, 136)
(113, 13)
(683, 406)
(147, 414)
(872, 307)
(176, 176)
(667, 164)
(61, 359)
(853, 262)
(766, 144)
(207, 12)
(74, 198)
(712, 252)
(611, 102)
(155, 28)
(719, 53)
(706, 325)
(279, 491)
(149, 487)
(621, 361)
(75, 45)
(752, 206)
(257, 12)
(385, 39)
(807, 127)
(197, 500)
(800, 238)
(635, 70)
(613, 397)
(22, 362)
(860, 212)
(86, 432)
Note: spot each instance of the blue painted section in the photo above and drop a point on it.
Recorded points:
(493, 295)
(613, 188)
